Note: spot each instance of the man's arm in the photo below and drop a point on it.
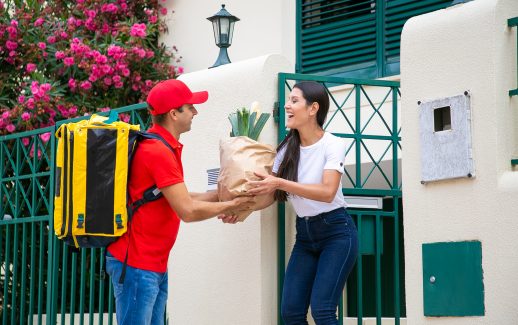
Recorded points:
(190, 210)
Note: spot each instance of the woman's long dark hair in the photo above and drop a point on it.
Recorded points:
(312, 92)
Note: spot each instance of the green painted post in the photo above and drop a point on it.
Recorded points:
(73, 281)
(378, 269)
(23, 286)
(14, 287)
(7, 271)
(33, 270)
(281, 212)
(101, 285)
(92, 285)
(359, 271)
(64, 277)
(82, 288)
(395, 186)
(40, 271)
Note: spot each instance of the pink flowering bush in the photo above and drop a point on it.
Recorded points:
(62, 59)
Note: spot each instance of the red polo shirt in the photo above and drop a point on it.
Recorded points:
(155, 224)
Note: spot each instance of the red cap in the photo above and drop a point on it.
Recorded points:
(172, 94)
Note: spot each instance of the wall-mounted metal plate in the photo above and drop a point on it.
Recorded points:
(364, 202)
(445, 132)
(452, 279)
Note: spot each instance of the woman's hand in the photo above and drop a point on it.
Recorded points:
(266, 185)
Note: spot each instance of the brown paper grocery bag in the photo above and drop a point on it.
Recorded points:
(239, 158)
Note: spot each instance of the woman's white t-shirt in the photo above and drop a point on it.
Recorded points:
(326, 153)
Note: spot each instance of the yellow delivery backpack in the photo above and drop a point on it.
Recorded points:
(93, 157)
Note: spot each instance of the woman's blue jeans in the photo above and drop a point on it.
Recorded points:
(142, 298)
(324, 254)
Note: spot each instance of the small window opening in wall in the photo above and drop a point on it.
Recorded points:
(442, 118)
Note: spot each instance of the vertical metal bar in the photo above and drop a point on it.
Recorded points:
(53, 247)
(357, 133)
(17, 172)
(101, 286)
(23, 287)
(380, 38)
(7, 268)
(82, 287)
(73, 281)
(33, 272)
(281, 215)
(64, 280)
(395, 186)
(2, 227)
(378, 268)
(52, 286)
(92, 286)
(110, 304)
(41, 267)
(359, 270)
(14, 286)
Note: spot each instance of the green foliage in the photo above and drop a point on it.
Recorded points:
(247, 124)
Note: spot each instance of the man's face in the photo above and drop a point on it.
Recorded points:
(184, 118)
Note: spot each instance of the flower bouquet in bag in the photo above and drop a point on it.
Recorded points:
(241, 155)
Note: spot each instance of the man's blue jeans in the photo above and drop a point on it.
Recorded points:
(142, 298)
(324, 254)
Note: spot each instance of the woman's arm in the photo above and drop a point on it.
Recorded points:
(324, 192)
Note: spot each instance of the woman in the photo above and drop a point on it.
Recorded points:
(307, 171)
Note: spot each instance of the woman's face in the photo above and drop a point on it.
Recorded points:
(297, 110)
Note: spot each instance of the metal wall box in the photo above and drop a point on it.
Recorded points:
(364, 202)
(445, 132)
(452, 279)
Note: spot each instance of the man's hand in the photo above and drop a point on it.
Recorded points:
(232, 218)
(241, 203)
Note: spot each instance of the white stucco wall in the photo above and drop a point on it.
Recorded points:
(219, 273)
(444, 53)
(266, 26)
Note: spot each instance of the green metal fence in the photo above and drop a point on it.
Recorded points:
(42, 280)
(366, 114)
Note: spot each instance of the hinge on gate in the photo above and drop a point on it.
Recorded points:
(276, 112)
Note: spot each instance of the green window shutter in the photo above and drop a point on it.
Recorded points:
(336, 34)
(337, 37)
(397, 12)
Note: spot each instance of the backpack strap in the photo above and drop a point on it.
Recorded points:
(151, 194)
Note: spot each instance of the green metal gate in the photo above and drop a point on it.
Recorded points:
(366, 114)
(42, 280)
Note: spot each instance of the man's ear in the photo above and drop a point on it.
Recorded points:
(172, 113)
